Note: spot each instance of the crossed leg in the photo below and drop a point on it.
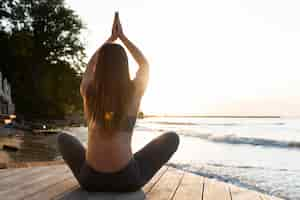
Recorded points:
(150, 158)
(73, 152)
(155, 154)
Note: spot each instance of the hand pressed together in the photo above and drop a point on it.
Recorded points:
(117, 30)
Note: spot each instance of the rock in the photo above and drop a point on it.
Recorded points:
(7, 147)
(3, 165)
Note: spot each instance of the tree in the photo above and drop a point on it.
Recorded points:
(42, 56)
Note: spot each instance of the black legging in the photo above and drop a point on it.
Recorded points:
(140, 169)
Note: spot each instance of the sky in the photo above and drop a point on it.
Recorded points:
(215, 57)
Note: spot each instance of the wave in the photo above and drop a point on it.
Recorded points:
(193, 124)
(225, 177)
(173, 123)
(233, 139)
(238, 166)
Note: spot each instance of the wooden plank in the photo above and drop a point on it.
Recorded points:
(155, 179)
(263, 197)
(243, 194)
(42, 180)
(215, 190)
(24, 186)
(7, 172)
(191, 187)
(15, 172)
(167, 185)
(57, 182)
(54, 190)
(267, 197)
(9, 181)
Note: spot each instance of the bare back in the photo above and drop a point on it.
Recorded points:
(110, 154)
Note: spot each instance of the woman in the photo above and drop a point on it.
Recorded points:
(111, 102)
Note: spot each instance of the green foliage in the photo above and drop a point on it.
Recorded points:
(41, 55)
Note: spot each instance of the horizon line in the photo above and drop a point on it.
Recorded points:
(212, 116)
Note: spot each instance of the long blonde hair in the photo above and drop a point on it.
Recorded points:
(108, 96)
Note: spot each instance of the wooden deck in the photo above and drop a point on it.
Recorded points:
(57, 182)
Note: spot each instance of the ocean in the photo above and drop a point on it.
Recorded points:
(257, 153)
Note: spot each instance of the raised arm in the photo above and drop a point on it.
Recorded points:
(135, 52)
(142, 75)
(88, 75)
